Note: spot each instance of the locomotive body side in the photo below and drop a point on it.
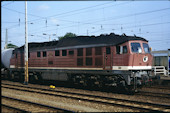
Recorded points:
(123, 65)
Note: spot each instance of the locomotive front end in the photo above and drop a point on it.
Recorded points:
(140, 62)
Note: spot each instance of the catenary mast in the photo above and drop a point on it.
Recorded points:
(26, 47)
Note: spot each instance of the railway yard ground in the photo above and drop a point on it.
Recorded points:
(17, 97)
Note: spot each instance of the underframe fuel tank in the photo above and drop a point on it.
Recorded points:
(6, 56)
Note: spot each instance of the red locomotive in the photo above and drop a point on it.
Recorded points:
(105, 60)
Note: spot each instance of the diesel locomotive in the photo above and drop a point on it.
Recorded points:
(109, 60)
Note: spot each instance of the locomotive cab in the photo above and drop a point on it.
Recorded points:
(140, 55)
(141, 61)
(133, 56)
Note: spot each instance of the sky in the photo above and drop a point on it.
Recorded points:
(48, 20)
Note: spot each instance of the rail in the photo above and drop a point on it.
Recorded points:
(54, 109)
(17, 110)
(100, 99)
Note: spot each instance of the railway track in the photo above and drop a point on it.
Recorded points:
(142, 106)
(7, 108)
(159, 87)
(153, 94)
(28, 106)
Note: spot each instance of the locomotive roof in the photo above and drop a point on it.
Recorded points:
(83, 41)
(38, 45)
(111, 39)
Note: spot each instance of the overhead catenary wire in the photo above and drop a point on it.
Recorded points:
(23, 13)
(92, 9)
(56, 14)
(66, 12)
(123, 16)
(8, 3)
(86, 23)
(126, 27)
(85, 8)
(137, 26)
(102, 20)
(8, 22)
(146, 12)
(144, 25)
(134, 14)
(50, 16)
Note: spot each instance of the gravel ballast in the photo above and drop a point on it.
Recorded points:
(79, 105)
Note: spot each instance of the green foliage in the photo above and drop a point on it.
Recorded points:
(11, 46)
(67, 35)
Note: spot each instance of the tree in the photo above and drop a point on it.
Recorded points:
(67, 35)
(11, 46)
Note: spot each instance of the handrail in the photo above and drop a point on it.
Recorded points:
(159, 70)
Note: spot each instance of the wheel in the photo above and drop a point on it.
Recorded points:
(12, 76)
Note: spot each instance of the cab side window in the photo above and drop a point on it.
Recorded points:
(121, 49)
(117, 49)
(125, 49)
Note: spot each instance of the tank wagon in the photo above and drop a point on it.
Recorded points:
(5, 61)
(106, 60)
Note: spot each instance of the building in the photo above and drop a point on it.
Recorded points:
(162, 58)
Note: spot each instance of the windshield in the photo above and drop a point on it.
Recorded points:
(136, 48)
(146, 48)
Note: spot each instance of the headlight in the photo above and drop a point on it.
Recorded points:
(145, 58)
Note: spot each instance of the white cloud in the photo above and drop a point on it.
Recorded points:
(54, 20)
(43, 7)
